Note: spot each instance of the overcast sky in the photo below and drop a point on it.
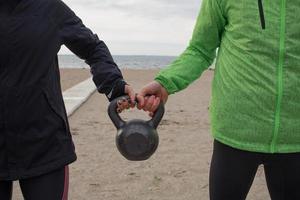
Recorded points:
(139, 27)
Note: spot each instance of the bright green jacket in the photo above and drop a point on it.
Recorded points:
(255, 103)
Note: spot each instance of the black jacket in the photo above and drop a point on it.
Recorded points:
(34, 131)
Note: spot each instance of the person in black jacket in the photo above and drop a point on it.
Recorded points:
(35, 141)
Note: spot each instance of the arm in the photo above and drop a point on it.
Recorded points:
(87, 46)
(201, 51)
(198, 56)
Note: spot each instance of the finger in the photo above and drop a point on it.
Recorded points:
(124, 100)
(145, 103)
(129, 90)
(119, 110)
(133, 99)
(149, 104)
(132, 105)
(146, 99)
(140, 101)
(141, 97)
(144, 91)
(151, 114)
(155, 105)
(125, 105)
(122, 104)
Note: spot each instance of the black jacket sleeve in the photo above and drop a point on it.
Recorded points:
(87, 46)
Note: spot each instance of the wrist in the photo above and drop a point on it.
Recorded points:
(161, 85)
(117, 90)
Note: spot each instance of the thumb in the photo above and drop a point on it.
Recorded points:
(129, 91)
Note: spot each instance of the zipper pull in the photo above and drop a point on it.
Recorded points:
(261, 14)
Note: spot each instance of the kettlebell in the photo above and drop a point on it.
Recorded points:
(136, 140)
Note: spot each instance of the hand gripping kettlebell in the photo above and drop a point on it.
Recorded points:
(136, 139)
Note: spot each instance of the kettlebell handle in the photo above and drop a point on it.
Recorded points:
(119, 122)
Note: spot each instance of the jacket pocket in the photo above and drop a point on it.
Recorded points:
(56, 110)
(37, 127)
(261, 14)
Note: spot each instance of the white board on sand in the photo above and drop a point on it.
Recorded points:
(78, 94)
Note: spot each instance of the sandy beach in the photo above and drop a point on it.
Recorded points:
(70, 77)
(179, 169)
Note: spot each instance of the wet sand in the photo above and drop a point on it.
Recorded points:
(179, 169)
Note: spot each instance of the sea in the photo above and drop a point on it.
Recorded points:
(124, 62)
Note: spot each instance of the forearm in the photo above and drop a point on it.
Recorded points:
(184, 70)
(201, 51)
(87, 46)
(106, 74)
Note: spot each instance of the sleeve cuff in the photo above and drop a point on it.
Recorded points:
(168, 85)
(117, 90)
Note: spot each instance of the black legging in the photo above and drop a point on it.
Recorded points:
(51, 186)
(232, 173)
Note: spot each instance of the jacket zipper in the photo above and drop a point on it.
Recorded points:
(279, 75)
(261, 14)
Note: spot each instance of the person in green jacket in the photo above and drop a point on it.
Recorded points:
(255, 105)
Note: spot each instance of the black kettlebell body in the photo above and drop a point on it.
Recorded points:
(137, 140)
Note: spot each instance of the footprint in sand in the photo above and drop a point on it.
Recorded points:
(168, 122)
(178, 174)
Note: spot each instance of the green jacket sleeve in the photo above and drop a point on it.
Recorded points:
(201, 51)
